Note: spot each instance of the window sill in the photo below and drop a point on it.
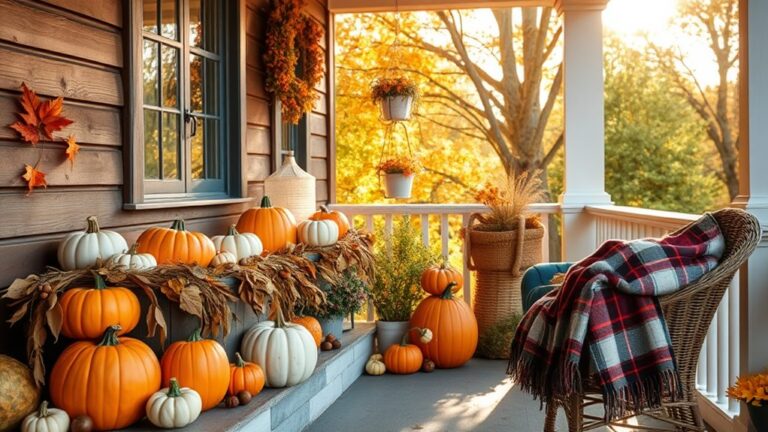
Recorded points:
(166, 204)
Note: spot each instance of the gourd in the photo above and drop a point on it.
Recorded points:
(242, 245)
(246, 376)
(174, 406)
(222, 258)
(87, 311)
(375, 367)
(132, 260)
(19, 395)
(286, 352)
(275, 226)
(437, 277)
(81, 249)
(340, 218)
(109, 381)
(200, 364)
(46, 420)
(403, 358)
(176, 245)
(318, 233)
(453, 325)
(312, 325)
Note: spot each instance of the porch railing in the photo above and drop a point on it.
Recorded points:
(719, 359)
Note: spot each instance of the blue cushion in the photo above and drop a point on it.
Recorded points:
(535, 283)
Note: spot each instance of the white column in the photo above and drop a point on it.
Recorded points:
(584, 129)
(753, 182)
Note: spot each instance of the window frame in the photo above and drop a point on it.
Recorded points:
(301, 149)
(138, 194)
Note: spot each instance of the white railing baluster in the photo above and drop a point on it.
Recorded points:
(733, 338)
(712, 360)
(369, 223)
(721, 319)
(444, 236)
(545, 240)
(701, 371)
(465, 259)
(425, 230)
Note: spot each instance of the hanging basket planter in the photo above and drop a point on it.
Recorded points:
(396, 108)
(398, 185)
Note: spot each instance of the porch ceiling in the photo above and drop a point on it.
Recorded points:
(357, 6)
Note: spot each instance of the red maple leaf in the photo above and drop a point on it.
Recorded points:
(39, 117)
(30, 103)
(34, 178)
(72, 149)
(49, 114)
(29, 133)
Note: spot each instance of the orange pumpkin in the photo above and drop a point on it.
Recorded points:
(338, 217)
(453, 326)
(437, 277)
(176, 245)
(87, 311)
(311, 324)
(200, 364)
(403, 358)
(245, 376)
(275, 226)
(110, 382)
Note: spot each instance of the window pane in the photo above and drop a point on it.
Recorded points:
(169, 19)
(196, 82)
(171, 144)
(203, 24)
(151, 84)
(211, 96)
(170, 76)
(151, 144)
(205, 150)
(150, 16)
(198, 150)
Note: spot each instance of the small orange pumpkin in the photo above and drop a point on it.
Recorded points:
(435, 278)
(275, 226)
(340, 218)
(311, 324)
(200, 364)
(246, 376)
(86, 312)
(454, 329)
(403, 358)
(110, 382)
(177, 245)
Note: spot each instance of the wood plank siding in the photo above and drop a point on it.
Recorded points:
(76, 49)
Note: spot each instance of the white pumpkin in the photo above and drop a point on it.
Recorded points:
(46, 419)
(318, 232)
(222, 257)
(81, 249)
(242, 245)
(133, 260)
(174, 407)
(285, 351)
(375, 367)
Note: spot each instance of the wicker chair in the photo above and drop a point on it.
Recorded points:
(688, 313)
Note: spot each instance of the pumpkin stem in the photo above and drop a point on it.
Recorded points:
(239, 362)
(324, 209)
(43, 411)
(448, 292)
(179, 225)
(134, 249)
(93, 225)
(279, 318)
(173, 388)
(196, 336)
(406, 337)
(98, 281)
(110, 336)
(265, 202)
(232, 230)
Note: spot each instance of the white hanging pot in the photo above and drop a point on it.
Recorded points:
(398, 185)
(397, 108)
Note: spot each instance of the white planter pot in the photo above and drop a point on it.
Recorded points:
(398, 185)
(397, 108)
(389, 333)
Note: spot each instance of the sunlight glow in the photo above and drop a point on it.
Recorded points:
(631, 17)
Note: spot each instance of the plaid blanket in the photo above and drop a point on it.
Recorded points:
(608, 303)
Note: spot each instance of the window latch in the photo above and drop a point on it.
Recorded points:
(190, 118)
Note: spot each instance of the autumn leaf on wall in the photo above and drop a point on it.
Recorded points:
(39, 117)
(34, 178)
(51, 120)
(72, 149)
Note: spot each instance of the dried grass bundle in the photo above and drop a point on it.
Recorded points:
(507, 202)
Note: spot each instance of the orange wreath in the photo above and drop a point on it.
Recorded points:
(292, 36)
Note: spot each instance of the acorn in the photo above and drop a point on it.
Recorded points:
(81, 423)
(330, 337)
(336, 344)
(244, 397)
(326, 346)
(427, 366)
(231, 401)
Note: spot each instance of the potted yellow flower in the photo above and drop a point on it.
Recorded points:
(753, 391)
(398, 173)
(395, 96)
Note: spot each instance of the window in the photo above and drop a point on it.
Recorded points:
(186, 97)
(291, 137)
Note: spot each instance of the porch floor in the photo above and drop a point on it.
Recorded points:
(476, 397)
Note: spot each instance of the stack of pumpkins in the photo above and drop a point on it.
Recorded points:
(443, 329)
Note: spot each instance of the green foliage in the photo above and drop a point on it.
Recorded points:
(344, 298)
(494, 343)
(400, 260)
